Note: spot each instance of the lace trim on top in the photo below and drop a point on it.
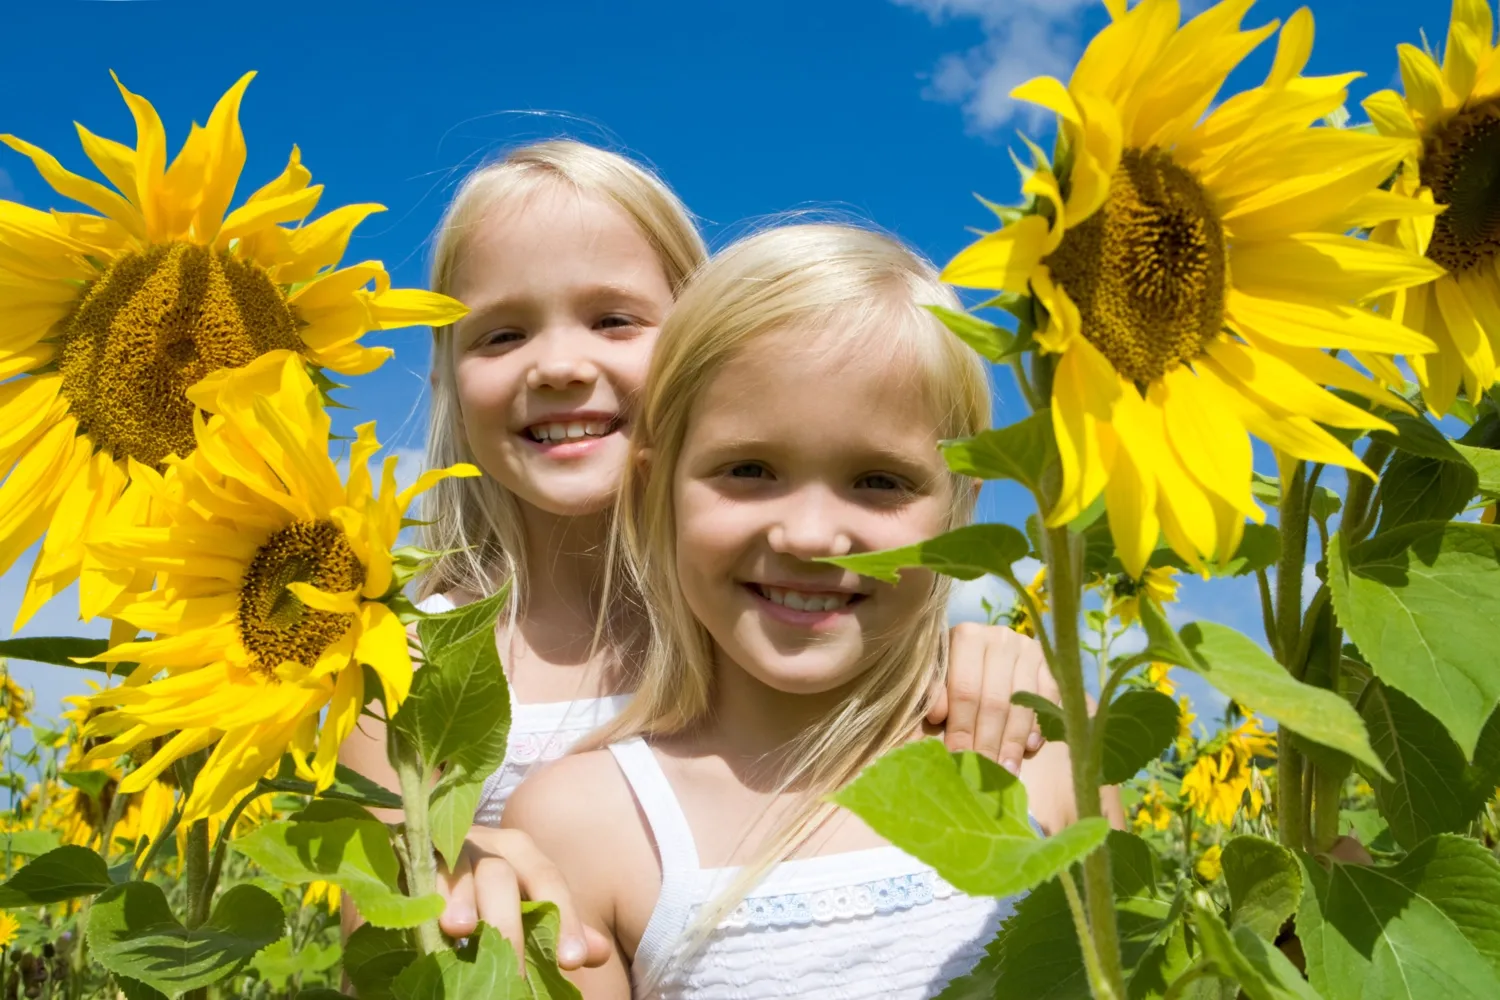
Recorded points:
(866, 899)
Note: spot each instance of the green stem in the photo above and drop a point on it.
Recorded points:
(166, 833)
(421, 871)
(1185, 980)
(1293, 525)
(1018, 365)
(1267, 608)
(1357, 507)
(1098, 984)
(1290, 810)
(1064, 558)
(196, 871)
(221, 845)
(1328, 791)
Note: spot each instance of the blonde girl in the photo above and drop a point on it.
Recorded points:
(793, 410)
(570, 258)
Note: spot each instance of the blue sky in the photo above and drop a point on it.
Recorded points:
(890, 111)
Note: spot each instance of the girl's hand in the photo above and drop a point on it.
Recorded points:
(499, 868)
(987, 664)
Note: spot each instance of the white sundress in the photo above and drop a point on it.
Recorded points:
(851, 926)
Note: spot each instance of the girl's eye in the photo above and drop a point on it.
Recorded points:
(497, 337)
(881, 481)
(749, 470)
(617, 322)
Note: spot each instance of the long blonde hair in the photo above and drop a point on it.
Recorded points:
(478, 521)
(867, 290)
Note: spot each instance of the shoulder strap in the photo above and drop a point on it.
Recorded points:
(674, 838)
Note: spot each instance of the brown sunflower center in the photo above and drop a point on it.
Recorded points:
(150, 327)
(1461, 163)
(1147, 270)
(274, 624)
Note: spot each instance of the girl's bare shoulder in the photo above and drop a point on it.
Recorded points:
(581, 796)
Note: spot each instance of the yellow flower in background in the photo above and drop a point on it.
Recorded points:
(324, 894)
(1020, 615)
(1193, 270)
(15, 703)
(1159, 674)
(1155, 810)
(1216, 785)
(110, 317)
(270, 578)
(1185, 720)
(1158, 584)
(1449, 116)
(9, 925)
(1209, 865)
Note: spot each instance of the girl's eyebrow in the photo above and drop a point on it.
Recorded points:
(595, 293)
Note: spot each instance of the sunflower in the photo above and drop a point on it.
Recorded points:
(1020, 614)
(1155, 810)
(1210, 864)
(110, 317)
(1192, 269)
(14, 701)
(1450, 118)
(271, 577)
(1156, 584)
(9, 925)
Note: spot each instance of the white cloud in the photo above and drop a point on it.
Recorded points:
(1022, 39)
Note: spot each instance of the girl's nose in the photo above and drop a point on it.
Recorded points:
(561, 373)
(808, 527)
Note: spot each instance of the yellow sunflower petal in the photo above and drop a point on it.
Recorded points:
(1426, 93)
(321, 243)
(150, 161)
(1002, 260)
(1468, 337)
(1340, 266)
(30, 493)
(1305, 325)
(115, 160)
(1085, 390)
(341, 603)
(80, 189)
(1275, 381)
(343, 712)
(383, 646)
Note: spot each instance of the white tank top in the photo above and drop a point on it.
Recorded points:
(538, 733)
(863, 924)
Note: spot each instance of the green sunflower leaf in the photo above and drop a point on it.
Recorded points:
(1023, 451)
(29, 842)
(1418, 488)
(1262, 971)
(132, 932)
(966, 816)
(1433, 788)
(66, 872)
(339, 842)
(1141, 724)
(1424, 927)
(991, 342)
(1239, 668)
(1422, 602)
(1265, 884)
(374, 957)
(965, 553)
(484, 969)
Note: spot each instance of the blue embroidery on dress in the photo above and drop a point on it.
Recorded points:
(799, 909)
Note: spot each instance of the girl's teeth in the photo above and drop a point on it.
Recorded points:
(798, 601)
(567, 432)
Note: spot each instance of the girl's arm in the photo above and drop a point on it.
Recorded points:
(987, 664)
(574, 810)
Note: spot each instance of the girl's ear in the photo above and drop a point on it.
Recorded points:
(643, 458)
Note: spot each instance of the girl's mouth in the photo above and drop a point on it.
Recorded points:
(559, 431)
(802, 607)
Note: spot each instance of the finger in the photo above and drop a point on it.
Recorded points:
(965, 686)
(499, 898)
(1015, 744)
(938, 695)
(994, 701)
(460, 915)
(599, 948)
(1047, 688)
(538, 878)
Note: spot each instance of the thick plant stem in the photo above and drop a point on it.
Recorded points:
(421, 871)
(195, 866)
(1291, 811)
(1091, 964)
(1328, 790)
(1063, 571)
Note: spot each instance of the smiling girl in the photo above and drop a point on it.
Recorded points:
(793, 413)
(570, 259)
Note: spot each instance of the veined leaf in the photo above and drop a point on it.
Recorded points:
(1236, 666)
(1265, 884)
(485, 969)
(965, 553)
(374, 957)
(132, 932)
(1262, 971)
(540, 923)
(1426, 927)
(348, 784)
(1432, 788)
(1022, 452)
(991, 342)
(1416, 488)
(338, 842)
(1141, 724)
(66, 872)
(277, 964)
(966, 816)
(1422, 603)
(31, 842)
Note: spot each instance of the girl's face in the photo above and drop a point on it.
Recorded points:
(796, 451)
(566, 297)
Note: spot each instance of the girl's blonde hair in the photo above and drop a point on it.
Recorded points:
(865, 293)
(478, 522)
